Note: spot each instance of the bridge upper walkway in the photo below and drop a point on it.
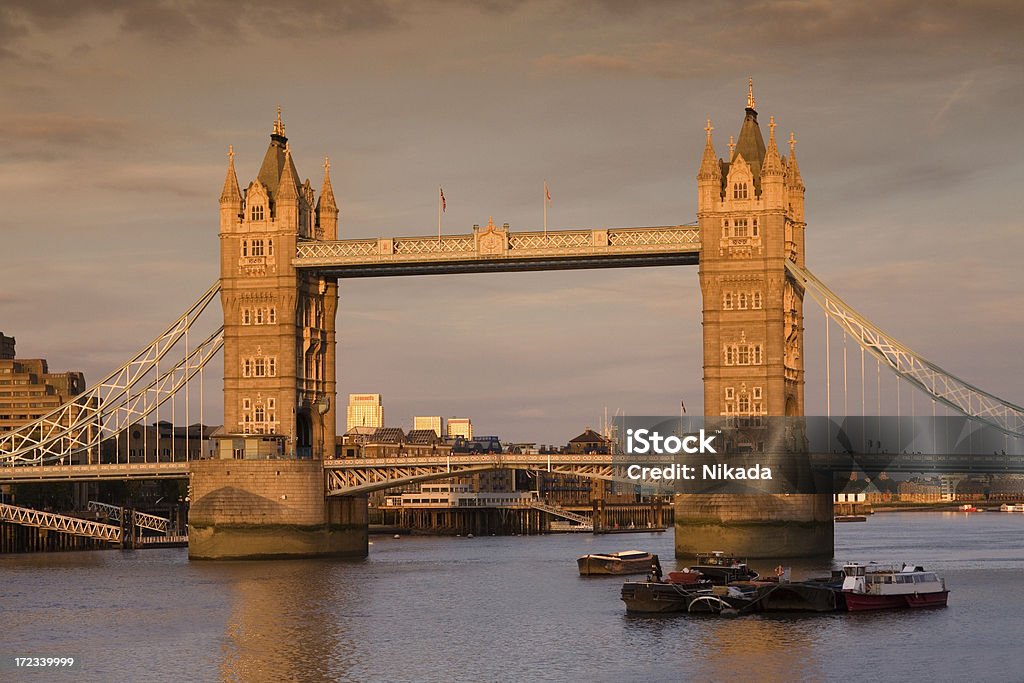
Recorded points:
(492, 249)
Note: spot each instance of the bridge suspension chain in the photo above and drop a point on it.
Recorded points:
(111, 405)
(941, 385)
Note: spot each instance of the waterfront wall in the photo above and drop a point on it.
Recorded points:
(262, 509)
(755, 525)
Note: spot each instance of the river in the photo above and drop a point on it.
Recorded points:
(502, 609)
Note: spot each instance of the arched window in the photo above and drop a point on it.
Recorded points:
(272, 367)
(744, 404)
(260, 413)
(272, 317)
(727, 301)
(257, 247)
(739, 190)
(743, 300)
(757, 299)
(246, 316)
(757, 354)
(259, 316)
(247, 367)
(257, 212)
(260, 367)
(725, 227)
(245, 247)
(270, 247)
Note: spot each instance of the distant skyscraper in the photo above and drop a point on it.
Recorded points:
(434, 422)
(460, 426)
(364, 410)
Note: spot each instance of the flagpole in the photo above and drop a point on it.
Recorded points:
(439, 191)
(544, 199)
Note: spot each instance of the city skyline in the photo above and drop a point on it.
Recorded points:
(117, 151)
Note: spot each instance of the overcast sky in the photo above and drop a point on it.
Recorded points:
(116, 118)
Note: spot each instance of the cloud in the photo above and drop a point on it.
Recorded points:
(173, 22)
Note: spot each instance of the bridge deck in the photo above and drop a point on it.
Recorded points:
(26, 474)
(494, 249)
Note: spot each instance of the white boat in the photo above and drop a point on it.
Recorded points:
(1007, 507)
(868, 587)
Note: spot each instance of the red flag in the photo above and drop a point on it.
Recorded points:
(444, 204)
(547, 192)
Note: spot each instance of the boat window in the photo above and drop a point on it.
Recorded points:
(929, 577)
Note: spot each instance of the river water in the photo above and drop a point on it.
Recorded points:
(502, 609)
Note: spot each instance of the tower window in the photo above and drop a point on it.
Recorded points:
(257, 247)
(259, 368)
(757, 354)
(756, 303)
(247, 368)
(270, 247)
(744, 404)
(272, 316)
(754, 232)
(757, 392)
(740, 225)
(245, 247)
(727, 301)
(259, 316)
(257, 212)
(725, 227)
(272, 366)
(743, 301)
(730, 393)
(246, 316)
(739, 190)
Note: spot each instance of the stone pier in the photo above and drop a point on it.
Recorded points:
(247, 509)
(755, 525)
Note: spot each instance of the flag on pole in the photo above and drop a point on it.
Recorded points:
(682, 406)
(547, 192)
(444, 204)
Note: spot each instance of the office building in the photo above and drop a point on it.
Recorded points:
(460, 426)
(364, 410)
(435, 422)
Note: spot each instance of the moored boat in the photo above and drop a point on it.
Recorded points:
(868, 587)
(718, 567)
(626, 562)
(1010, 507)
(967, 507)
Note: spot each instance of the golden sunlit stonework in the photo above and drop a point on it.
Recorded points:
(279, 323)
(751, 217)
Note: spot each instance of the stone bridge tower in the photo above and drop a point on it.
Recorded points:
(279, 324)
(264, 495)
(751, 217)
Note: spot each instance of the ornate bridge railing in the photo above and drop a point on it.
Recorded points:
(494, 248)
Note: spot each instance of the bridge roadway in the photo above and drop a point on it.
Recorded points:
(352, 476)
(497, 249)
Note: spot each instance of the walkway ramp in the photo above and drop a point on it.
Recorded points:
(147, 521)
(61, 523)
(557, 511)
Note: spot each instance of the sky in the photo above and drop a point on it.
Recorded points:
(117, 116)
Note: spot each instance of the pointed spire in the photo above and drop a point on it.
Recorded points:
(750, 93)
(709, 166)
(772, 163)
(793, 169)
(326, 200)
(732, 147)
(278, 124)
(286, 188)
(231, 193)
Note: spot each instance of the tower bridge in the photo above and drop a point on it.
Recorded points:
(272, 488)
